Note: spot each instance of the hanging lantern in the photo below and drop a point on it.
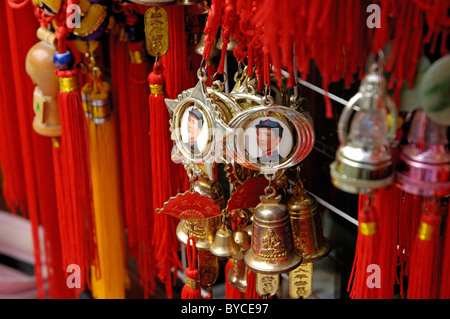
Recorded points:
(424, 164)
(363, 160)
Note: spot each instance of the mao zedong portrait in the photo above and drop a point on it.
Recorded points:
(194, 128)
(269, 134)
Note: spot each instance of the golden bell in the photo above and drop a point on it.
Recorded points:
(203, 230)
(231, 44)
(224, 244)
(307, 225)
(237, 275)
(200, 47)
(272, 249)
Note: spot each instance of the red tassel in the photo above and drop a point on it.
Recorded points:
(444, 292)
(31, 143)
(191, 290)
(14, 190)
(62, 223)
(76, 178)
(388, 205)
(408, 222)
(130, 94)
(178, 76)
(366, 253)
(251, 293)
(164, 239)
(422, 279)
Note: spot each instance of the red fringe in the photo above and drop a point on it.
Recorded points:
(366, 253)
(444, 291)
(162, 167)
(192, 272)
(14, 190)
(30, 142)
(408, 224)
(130, 95)
(388, 205)
(77, 184)
(423, 273)
(65, 240)
(178, 76)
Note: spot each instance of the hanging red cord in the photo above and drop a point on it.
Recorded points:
(191, 290)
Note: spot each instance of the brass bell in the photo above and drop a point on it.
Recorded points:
(272, 249)
(200, 47)
(307, 225)
(231, 44)
(224, 244)
(203, 230)
(424, 164)
(237, 275)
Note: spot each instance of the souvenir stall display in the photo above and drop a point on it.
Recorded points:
(168, 146)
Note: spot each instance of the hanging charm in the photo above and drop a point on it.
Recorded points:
(156, 31)
(269, 137)
(196, 127)
(363, 160)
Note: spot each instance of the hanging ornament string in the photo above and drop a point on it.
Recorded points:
(423, 272)
(14, 189)
(212, 26)
(444, 291)
(31, 144)
(77, 211)
(366, 249)
(228, 22)
(129, 64)
(166, 250)
(191, 290)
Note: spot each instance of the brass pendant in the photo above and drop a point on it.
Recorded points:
(156, 31)
(208, 267)
(267, 285)
(300, 281)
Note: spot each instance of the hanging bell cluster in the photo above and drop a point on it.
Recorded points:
(265, 243)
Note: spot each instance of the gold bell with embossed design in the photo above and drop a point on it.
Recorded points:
(272, 249)
(307, 225)
(308, 238)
